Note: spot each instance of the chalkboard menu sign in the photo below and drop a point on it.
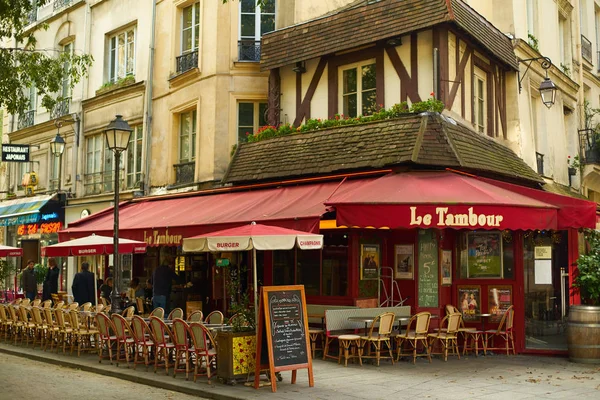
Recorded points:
(282, 333)
(428, 268)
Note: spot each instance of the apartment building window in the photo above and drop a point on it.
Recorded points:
(99, 166)
(62, 107)
(190, 38)
(564, 38)
(121, 55)
(531, 11)
(597, 24)
(28, 117)
(251, 116)
(24, 168)
(359, 93)
(480, 100)
(187, 137)
(134, 157)
(255, 21)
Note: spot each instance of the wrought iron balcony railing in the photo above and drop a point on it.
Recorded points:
(184, 172)
(100, 182)
(588, 147)
(58, 4)
(187, 61)
(32, 16)
(61, 108)
(586, 49)
(249, 50)
(26, 119)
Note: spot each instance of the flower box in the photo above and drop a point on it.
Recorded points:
(236, 355)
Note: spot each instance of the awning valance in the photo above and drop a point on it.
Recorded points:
(25, 210)
(165, 222)
(443, 199)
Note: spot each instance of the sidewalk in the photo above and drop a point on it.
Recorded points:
(491, 377)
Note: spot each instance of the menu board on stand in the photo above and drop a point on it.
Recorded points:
(428, 268)
(282, 341)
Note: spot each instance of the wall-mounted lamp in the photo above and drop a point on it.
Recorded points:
(57, 147)
(393, 42)
(300, 67)
(547, 87)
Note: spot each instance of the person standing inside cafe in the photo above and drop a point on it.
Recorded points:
(29, 281)
(161, 284)
(51, 280)
(83, 285)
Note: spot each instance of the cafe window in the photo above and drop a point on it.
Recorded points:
(335, 265)
(308, 270)
(485, 255)
(283, 267)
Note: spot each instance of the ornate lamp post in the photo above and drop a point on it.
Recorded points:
(117, 139)
(57, 147)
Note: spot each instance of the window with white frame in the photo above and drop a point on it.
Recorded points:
(190, 28)
(480, 100)
(531, 11)
(251, 116)
(187, 137)
(134, 157)
(66, 80)
(255, 21)
(121, 54)
(54, 171)
(359, 92)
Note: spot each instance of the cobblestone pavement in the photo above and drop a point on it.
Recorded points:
(23, 378)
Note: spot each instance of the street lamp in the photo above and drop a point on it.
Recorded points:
(117, 139)
(57, 147)
(547, 87)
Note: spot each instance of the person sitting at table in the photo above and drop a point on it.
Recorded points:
(106, 289)
(135, 290)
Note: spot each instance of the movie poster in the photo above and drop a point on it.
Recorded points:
(404, 261)
(369, 261)
(469, 302)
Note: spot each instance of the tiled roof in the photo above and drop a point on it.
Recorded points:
(425, 139)
(368, 23)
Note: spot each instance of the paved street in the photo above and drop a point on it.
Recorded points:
(23, 378)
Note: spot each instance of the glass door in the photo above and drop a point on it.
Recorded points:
(545, 260)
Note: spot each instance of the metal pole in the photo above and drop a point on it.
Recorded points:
(255, 289)
(115, 298)
(59, 171)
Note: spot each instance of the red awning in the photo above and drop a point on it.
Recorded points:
(441, 199)
(167, 221)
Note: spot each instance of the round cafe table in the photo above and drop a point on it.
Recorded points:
(483, 317)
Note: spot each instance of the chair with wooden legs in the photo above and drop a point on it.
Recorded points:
(59, 305)
(161, 335)
(73, 306)
(204, 349)
(25, 302)
(215, 317)
(175, 313)
(41, 328)
(142, 341)
(158, 312)
(99, 308)
(129, 312)
(123, 331)
(86, 306)
(28, 327)
(416, 332)
(5, 322)
(196, 316)
(52, 330)
(139, 304)
(448, 338)
(182, 348)
(82, 334)
(378, 336)
(504, 331)
(106, 336)
(17, 324)
(46, 304)
(64, 330)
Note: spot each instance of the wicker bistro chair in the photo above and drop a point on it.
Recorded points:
(106, 336)
(203, 349)
(158, 312)
(414, 336)
(36, 302)
(99, 308)
(175, 313)
(215, 317)
(82, 333)
(139, 304)
(125, 342)
(41, 328)
(17, 323)
(73, 306)
(197, 316)
(129, 312)
(180, 333)
(504, 331)
(448, 338)
(142, 341)
(379, 335)
(25, 302)
(3, 320)
(58, 305)
(64, 329)
(27, 327)
(86, 306)
(52, 330)
(161, 335)
(46, 304)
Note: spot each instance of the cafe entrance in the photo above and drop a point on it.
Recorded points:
(545, 269)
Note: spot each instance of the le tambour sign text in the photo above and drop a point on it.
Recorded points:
(444, 218)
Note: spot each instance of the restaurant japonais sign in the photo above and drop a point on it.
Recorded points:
(15, 152)
(443, 217)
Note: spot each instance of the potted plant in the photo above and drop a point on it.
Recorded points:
(237, 348)
(583, 329)
(40, 275)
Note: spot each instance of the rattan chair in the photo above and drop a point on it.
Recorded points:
(414, 336)
(73, 306)
(64, 330)
(17, 324)
(142, 341)
(504, 331)
(25, 302)
(158, 312)
(82, 333)
(58, 305)
(379, 335)
(181, 340)
(106, 336)
(52, 330)
(196, 316)
(139, 304)
(129, 312)
(40, 328)
(448, 338)
(5, 322)
(161, 335)
(204, 350)
(46, 304)
(215, 318)
(86, 306)
(36, 302)
(124, 341)
(27, 327)
(175, 313)
(99, 308)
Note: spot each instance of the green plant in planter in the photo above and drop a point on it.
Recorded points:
(40, 273)
(6, 269)
(588, 265)
(240, 304)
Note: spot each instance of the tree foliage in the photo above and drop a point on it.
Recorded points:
(260, 3)
(588, 265)
(22, 65)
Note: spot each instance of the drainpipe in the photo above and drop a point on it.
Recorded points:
(149, 94)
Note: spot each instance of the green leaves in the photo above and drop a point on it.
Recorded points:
(588, 265)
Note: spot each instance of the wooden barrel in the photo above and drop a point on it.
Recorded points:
(583, 334)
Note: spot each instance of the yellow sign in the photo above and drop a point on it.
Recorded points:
(543, 252)
(180, 263)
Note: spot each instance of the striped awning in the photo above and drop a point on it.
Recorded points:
(25, 210)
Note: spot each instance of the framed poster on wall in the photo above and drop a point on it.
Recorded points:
(404, 261)
(484, 255)
(469, 302)
(499, 299)
(369, 261)
(446, 267)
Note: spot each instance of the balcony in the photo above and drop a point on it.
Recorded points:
(58, 4)
(32, 16)
(184, 172)
(26, 119)
(249, 50)
(99, 182)
(586, 49)
(61, 108)
(588, 147)
(187, 61)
